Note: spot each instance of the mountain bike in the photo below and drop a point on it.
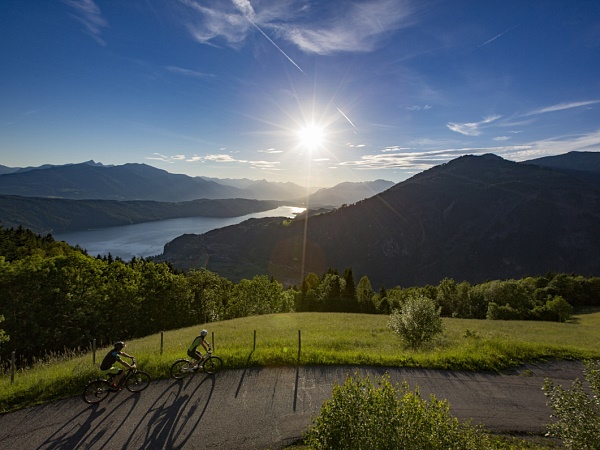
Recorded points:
(208, 364)
(134, 381)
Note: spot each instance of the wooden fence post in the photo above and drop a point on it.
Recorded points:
(12, 367)
(254, 347)
(213, 341)
(94, 351)
(299, 344)
(161, 342)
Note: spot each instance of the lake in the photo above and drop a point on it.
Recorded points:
(149, 238)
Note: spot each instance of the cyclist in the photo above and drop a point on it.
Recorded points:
(193, 349)
(107, 367)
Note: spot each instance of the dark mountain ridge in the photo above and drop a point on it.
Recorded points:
(474, 218)
(125, 182)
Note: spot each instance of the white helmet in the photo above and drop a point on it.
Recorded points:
(203, 333)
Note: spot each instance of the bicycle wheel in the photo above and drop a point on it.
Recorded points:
(137, 381)
(180, 369)
(212, 364)
(95, 391)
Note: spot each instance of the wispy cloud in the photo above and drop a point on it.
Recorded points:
(425, 159)
(188, 72)
(356, 27)
(89, 14)
(418, 107)
(561, 107)
(271, 151)
(473, 128)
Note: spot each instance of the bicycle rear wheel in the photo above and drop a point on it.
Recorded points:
(95, 391)
(180, 369)
(137, 381)
(212, 364)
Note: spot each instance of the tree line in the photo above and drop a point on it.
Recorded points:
(55, 297)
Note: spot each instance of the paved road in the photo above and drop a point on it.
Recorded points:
(264, 408)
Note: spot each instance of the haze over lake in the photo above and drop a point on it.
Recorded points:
(149, 238)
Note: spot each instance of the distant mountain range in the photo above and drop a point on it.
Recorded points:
(474, 218)
(54, 199)
(95, 181)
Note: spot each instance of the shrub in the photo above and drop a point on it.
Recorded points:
(362, 416)
(576, 414)
(417, 322)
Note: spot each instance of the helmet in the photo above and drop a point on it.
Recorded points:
(119, 344)
(203, 333)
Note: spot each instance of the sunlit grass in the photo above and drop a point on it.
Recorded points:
(322, 339)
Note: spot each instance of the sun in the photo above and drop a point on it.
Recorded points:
(311, 136)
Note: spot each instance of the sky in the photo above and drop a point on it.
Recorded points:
(312, 92)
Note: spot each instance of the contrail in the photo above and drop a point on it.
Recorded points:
(245, 9)
(276, 46)
(346, 117)
(496, 37)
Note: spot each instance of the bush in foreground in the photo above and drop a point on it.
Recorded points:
(363, 416)
(576, 413)
(417, 322)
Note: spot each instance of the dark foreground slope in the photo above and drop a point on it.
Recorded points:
(474, 218)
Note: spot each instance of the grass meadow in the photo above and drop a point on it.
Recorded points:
(320, 339)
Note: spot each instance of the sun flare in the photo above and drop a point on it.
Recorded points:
(311, 136)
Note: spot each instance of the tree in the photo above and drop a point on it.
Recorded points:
(576, 413)
(3, 336)
(417, 322)
(364, 295)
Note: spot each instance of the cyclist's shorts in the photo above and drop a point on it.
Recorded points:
(194, 354)
(112, 371)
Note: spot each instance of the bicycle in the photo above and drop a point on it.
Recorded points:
(209, 364)
(134, 381)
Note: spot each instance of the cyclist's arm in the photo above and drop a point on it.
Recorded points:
(206, 345)
(129, 366)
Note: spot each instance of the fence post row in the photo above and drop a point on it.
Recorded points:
(13, 364)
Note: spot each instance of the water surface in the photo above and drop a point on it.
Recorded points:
(148, 238)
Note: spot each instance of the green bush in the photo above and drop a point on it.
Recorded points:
(417, 322)
(362, 416)
(576, 413)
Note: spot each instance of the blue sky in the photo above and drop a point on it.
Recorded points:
(233, 88)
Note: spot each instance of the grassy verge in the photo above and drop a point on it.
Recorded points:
(322, 339)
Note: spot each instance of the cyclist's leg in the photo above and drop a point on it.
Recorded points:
(196, 357)
(115, 375)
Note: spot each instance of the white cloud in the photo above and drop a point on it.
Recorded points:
(502, 138)
(89, 14)
(347, 27)
(221, 158)
(561, 107)
(270, 151)
(473, 128)
(188, 72)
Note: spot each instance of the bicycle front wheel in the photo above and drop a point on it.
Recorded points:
(95, 391)
(180, 369)
(137, 381)
(212, 364)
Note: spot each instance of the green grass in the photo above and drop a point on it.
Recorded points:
(326, 339)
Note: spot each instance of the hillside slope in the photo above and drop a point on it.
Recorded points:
(474, 218)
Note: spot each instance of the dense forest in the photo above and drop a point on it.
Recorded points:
(54, 297)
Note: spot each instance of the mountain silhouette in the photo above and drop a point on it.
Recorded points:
(474, 218)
